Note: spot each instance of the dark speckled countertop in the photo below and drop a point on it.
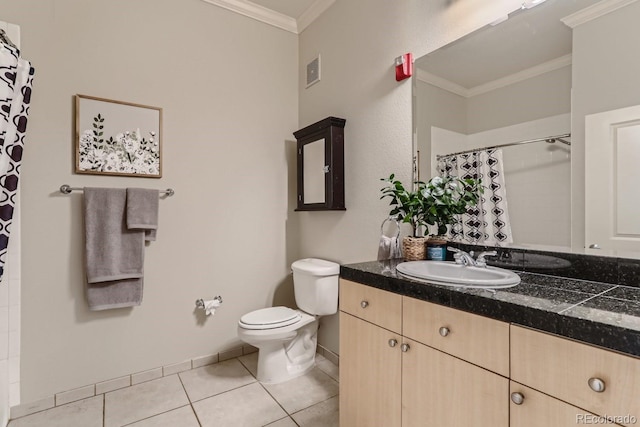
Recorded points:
(607, 315)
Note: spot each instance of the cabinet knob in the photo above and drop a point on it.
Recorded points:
(517, 398)
(444, 331)
(393, 342)
(405, 347)
(596, 384)
(364, 304)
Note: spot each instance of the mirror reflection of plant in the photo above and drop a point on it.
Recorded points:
(407, 206)
(447, 197)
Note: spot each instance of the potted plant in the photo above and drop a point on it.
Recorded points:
(408, 207)
(445, 198)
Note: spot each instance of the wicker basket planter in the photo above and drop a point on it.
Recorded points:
(414, 248)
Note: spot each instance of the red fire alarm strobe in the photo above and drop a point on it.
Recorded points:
(404, 66)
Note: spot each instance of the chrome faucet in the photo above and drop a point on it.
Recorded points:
(464, 258)
(481, 261)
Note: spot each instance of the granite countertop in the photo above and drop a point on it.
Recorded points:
(598, 313)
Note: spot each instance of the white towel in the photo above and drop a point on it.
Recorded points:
(389, 248)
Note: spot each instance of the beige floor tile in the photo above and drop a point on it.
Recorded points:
(83, 413)
(328, 367)
(285, 422)
(324, 414)
(250, 361)
(144, 400)
(214, 379)
(302, 392)
(248, 406)
(182, 417)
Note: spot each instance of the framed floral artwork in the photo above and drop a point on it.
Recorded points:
(118, 138)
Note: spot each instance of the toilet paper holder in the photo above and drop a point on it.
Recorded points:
(200, 302)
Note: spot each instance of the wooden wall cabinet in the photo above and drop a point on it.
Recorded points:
(320, 152)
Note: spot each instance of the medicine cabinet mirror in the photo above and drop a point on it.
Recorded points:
(320, 151)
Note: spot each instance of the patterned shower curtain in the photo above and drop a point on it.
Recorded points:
(16, 77)
(488, 221)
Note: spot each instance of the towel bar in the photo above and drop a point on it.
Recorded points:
(67, 189)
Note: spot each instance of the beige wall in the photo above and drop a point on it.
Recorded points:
(358, 42)
(228, 86)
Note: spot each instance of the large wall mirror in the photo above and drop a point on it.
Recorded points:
(512, 83)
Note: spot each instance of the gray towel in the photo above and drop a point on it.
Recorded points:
(114, 254)
(142, 211)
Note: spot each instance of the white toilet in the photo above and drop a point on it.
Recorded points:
(287, 338)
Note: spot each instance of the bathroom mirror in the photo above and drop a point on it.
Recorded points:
(321, 165)
(507, 82)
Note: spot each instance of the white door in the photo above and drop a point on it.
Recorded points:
(612, 179)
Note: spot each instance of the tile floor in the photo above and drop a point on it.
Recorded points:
(224, 394)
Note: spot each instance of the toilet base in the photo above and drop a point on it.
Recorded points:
(282, 360)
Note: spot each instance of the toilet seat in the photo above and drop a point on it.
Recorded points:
(270, 318)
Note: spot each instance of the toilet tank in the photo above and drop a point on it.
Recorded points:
(315, 283)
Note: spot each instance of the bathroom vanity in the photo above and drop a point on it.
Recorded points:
(551, 351)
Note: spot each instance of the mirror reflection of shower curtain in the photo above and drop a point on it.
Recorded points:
(16, 78)
(488, 221)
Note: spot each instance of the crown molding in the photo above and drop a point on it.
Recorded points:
(442, 83)
(594, 11)
(312, 13)
(545, 67)
(259, 13)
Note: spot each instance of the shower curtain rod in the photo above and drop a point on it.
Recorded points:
(548, 139)
(67, 189)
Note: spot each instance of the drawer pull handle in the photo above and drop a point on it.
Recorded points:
(444, 331)
(517, 398)
(364, 304)
(405, 347)
(393, 342)
(596, 384)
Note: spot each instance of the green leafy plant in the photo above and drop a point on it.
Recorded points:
(407, 206)
(447, 197)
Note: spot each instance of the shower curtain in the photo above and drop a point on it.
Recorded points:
(488, 221)
(16, 77)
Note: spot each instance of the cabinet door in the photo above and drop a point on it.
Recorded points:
(370, 374)
(440, 390)
(531, 408)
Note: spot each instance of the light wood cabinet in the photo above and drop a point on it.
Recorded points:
(477, 339)
(373, 305)
(441, 390)
(398, 368)
(388, 380)
(598, 380)
(370, 372)
(530, 408)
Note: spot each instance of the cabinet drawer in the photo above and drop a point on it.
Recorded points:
(536, 409)
(565, 369)
(373, 305)
(479, 340)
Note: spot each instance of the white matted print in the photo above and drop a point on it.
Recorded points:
(118, 138)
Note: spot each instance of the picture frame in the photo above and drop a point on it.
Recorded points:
(117, 138)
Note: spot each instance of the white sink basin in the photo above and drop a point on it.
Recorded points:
(452, 274)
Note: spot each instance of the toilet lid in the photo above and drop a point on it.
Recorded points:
(269, 318)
